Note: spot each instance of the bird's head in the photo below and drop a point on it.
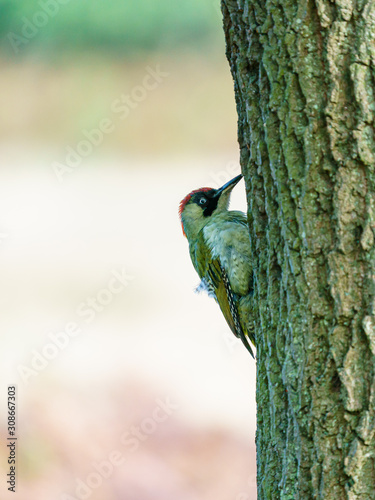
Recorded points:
(201, 204)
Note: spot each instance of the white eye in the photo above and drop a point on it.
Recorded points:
(202, 201)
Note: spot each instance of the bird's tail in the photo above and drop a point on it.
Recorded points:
(245, 310)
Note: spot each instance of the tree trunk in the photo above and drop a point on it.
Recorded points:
(304, 75)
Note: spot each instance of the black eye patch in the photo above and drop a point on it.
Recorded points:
(207, 201)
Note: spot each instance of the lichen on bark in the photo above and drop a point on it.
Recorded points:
(304, 74)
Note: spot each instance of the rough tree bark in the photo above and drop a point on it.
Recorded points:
(304, 73)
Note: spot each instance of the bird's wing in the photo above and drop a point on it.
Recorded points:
(216, 276)
(213, 272)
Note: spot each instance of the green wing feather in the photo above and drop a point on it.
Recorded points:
(212, 272)
(215, 275)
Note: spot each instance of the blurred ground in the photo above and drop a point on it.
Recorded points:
(130, 385)
(64, 245)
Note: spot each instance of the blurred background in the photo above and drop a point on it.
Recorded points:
(129, 385)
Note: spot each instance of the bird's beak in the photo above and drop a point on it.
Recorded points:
(227, 188)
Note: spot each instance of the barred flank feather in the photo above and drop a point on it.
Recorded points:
(206, 286)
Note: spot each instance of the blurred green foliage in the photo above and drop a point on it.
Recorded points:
(112, 25)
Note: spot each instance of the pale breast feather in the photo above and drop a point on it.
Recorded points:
(228, 241)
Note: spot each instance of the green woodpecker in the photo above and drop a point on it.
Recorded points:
(219, 248)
